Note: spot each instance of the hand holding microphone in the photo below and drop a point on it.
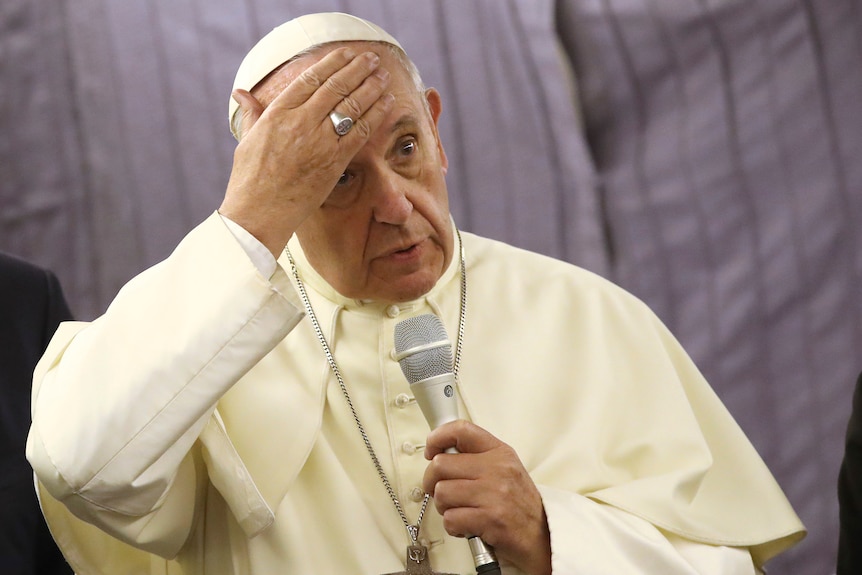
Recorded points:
(424, 353)
(486, 486)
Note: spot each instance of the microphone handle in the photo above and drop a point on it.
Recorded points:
(436, 398)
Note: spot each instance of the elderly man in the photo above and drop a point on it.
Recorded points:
(240, 407)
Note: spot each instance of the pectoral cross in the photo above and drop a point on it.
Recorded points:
(417, 562)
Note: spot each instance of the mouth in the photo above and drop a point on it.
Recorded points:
(404, 252)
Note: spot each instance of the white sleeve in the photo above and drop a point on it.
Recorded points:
(590, 537)
(258, 253)
(118, 405)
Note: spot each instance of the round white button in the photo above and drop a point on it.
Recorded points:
(402, 400)
(416, 494)
(408, 448)
(393, 311)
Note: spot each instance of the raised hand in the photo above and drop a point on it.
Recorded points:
(289, 157)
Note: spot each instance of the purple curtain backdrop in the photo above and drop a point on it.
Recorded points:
(704, 154)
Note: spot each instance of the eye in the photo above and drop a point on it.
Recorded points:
(345, 191)
(345, 179)
(407, 148)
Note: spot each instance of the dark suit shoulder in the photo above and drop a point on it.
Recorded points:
(15, 272)
(32, 305)
(850, 492)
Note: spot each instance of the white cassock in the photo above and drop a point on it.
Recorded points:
(198, 425)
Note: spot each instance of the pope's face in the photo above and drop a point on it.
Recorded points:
(384, 232)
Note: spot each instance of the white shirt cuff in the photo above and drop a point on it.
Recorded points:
(258, 253)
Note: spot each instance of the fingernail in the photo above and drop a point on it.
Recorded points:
(382, 73)
(373, 59)
(349, 54)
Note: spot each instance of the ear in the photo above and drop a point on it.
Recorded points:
(435, 106)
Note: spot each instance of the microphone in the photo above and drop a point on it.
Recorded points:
(424, 352)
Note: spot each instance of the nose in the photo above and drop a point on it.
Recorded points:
(391, 205)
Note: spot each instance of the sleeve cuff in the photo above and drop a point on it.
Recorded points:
(259, 255)
(591, 537)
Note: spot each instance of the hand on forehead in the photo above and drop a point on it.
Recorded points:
(318, 65)
(294, 37)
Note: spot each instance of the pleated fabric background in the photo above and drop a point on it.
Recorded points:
(704, 154)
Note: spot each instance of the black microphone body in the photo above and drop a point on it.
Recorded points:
(424, 352)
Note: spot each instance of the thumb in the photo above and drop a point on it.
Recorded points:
(250, 110)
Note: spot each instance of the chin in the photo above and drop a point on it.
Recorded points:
(408, 291)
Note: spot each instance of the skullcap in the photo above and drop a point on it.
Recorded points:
(294, 36)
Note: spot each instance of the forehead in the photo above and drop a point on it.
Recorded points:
(401, 83)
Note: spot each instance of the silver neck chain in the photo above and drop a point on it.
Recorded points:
(412, 529)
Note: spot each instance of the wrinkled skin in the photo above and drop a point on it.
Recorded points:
(484, 490)
(370, 208)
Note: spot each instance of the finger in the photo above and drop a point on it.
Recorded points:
(467, 522)
(342, 83)
(466, 437)
(453, 466)
(470, 507)
(326, 82)
(453, 493)
(303, 86)
(363, 98)
(519, 535)
(505, 485)
(499, 471)
(367, 124)
(250, 110)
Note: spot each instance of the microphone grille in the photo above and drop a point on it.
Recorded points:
(417, 333)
